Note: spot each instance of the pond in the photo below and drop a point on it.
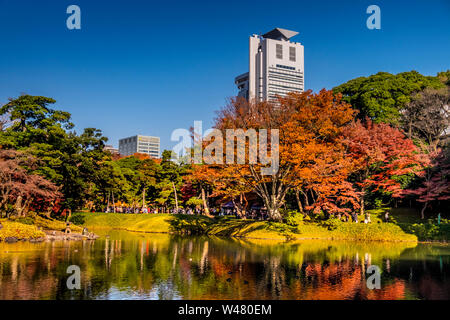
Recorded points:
(124, 265)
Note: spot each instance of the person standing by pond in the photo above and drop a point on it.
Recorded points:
(386, 216)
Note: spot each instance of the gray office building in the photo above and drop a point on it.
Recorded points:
(276, 66)
(140, 144)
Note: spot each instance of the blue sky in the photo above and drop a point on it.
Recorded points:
(149, 67)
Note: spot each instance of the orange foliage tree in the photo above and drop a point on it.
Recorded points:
(311, 156)
(380, 155)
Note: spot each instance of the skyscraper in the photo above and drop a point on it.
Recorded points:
(139, 144)
(276, 66)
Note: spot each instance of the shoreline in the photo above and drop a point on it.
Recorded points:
(280, 239)
(46, 229)
(250, 229)
(446, 242)
(52, 235)
(40, 230)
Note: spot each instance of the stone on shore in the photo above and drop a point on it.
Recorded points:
(58, 235)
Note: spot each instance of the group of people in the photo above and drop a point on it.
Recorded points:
(126, 209)
(220, 211)
(354, 217)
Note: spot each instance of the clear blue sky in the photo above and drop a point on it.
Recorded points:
(148, 67)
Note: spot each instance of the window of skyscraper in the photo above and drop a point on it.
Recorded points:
(279, 51)
(292, 53)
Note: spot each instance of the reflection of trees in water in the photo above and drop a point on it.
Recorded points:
(273, 280)
(163, 267)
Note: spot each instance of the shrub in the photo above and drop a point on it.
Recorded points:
(78, 219)
(431, 230)
(292, 217)
(19, 231)
(332, 223)
(26, 220)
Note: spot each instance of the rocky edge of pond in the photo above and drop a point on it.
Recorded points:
(53, 235)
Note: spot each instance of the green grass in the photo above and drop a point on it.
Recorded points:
(231, 227)
(130, 222)
(409, 221)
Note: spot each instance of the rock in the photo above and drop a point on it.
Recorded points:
(60, 236)
(229, 280)
(11, 239)
(37, 240)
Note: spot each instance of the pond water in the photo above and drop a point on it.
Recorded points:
(123, 265)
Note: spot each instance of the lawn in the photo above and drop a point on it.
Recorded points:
(231, 227)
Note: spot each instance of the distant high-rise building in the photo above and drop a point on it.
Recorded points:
(111, 149)
(139, 144)
(276, 66)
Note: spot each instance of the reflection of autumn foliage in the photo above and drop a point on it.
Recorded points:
(392, 291)
(165, 267)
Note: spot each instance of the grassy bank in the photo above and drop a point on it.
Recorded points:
(408, 219)
(31, 227)
(230, 227)
(19, 231)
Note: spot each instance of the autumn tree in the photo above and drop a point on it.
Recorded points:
(309, 126)
(434, 181)
(20, 189)
(203, 178)
(380, 154)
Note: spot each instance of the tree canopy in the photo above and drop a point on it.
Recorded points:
(381, 97)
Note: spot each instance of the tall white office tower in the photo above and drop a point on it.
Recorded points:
(140, 144)
(276, 66)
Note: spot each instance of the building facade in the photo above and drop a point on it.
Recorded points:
(111, 149)
(140, 144)
(276, 66)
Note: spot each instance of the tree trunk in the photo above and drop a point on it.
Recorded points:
(299, 203)
(205, 205)
(114, 203)
(107, 205)
(239, 208)
(143, 198)
(274, 214)
(273, 208)
(49, 211)
(26, 207)
(176, 197)
(18, 206)
(422, 212)
(273, 192)
(362, 209)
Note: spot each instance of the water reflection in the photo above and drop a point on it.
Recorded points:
(124, 265)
